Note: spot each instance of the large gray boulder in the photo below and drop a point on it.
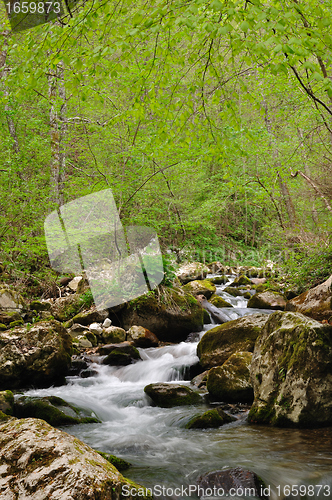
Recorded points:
(291, 372)
(315, 303)
(38, 356)
(10, 300)
(38, 462)
(170, 317)
(267, 300)
(219, 343)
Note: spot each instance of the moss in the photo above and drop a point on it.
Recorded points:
(4, 417)
(14, 324)
(219, 301)
(3, 327)
(263, 414)
(210, 419)
(232, 291)
(36, 305)
(47, 409)
(241, 280)
(119, 463)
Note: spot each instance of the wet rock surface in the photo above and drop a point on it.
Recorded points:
(38, 462)
(291, 372)
(168, 395)
(218, 344)
(38, 356)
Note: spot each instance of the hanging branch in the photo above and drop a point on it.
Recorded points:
(313, 185)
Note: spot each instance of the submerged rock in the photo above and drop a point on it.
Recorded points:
(142, 337)
(231, 381)
(38, 356)
(39, 462)
(170, 317)
(230, 480)
(54, 410)
(315, 303)
(218, 344)
(267, 300)
(291, 372)
(200, 287)
(210, 419)
(168, 395)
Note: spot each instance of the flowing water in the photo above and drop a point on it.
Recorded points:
(166, 455)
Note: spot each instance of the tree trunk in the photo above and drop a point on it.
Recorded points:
(3, 75)
(282, 184)
(58, 128)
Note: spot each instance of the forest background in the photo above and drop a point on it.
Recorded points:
(210, 120)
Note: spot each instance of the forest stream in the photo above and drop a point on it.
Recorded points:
(163, 453)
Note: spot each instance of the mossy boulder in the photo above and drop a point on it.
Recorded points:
(219, 301)
(7, 402)
(113, 335)
(234, 292)
(291, 372)
(39, 461)
(219, 280)
(231, 382)
(7, 317)
(119, 354)
(241, 281)
(210, 419)
(315, 303)
(87, 317)
(142, 337)
(65, 308)
(267, 300)
(171, 316)
(192, 271)
(38, 305)
(10, 300)
(38, 355)
(200, 287)
(52, 409)
(219, 343)
(169, 395)
(3, 327)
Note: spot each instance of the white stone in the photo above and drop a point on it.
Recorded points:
(73, 284)
(96, 328)
(107, 323)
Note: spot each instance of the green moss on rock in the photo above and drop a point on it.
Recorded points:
(210, 419)
(169, 395)
(219, 301)
(52, 409)
(200, 287)
(119, 463)
(231, 381)
(219, 343)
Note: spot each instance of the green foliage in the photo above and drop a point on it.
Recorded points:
(306, 270)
